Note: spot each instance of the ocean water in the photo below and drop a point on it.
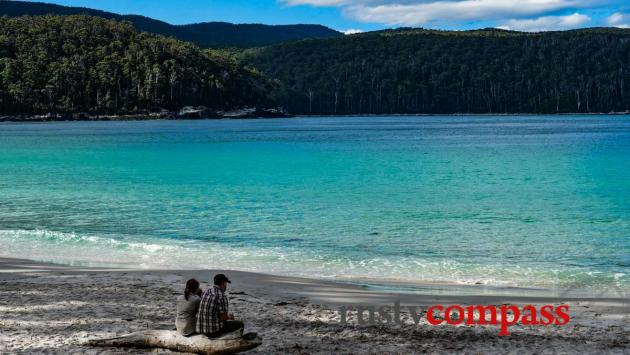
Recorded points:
(506, 201)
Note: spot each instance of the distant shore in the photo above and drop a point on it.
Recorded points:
(189, 112)
(49, 307)
(254, 114)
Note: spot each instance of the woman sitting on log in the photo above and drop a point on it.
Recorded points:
(187, 308)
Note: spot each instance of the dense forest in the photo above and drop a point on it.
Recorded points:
(208, 34)
(70, 64)
(423, 71)
(77, 63)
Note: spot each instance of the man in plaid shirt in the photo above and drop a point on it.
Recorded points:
(213, 318)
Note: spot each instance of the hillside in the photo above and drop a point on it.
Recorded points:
(101, 66)
(423, 71)
(70, 64)
(209, 34)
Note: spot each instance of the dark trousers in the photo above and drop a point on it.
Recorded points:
(230, 326)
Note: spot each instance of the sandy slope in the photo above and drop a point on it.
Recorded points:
(52, 309)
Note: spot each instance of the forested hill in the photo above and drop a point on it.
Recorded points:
(422, 71)
(79, 63)
(209, 34)
(70, 64)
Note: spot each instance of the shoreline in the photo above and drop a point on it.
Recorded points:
(177, 117)
(54, 308)
(386, 288)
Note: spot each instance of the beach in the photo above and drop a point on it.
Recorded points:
(317, 214)
(375, 177)
(52, 308)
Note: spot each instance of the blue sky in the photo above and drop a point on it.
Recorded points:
(365, 15)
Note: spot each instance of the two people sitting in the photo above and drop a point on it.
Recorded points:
(208, 312)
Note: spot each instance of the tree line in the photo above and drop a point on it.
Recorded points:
(78, 63)
(415, 71)
(69, 64)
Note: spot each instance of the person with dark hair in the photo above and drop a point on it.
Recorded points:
(213, 318)
(187, 308)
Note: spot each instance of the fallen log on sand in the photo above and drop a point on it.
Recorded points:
(167, 339)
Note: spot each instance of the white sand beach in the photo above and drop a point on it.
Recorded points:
(48, 308)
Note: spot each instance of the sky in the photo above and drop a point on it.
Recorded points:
(366, 15)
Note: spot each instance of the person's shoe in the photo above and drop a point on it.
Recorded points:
(232, 335)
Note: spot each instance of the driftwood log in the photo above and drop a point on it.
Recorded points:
(167, 339)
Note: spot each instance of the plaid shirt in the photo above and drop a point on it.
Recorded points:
(213, 302)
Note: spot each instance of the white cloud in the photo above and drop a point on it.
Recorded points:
(352, 31)
(465, 10)
(427, 12)
(619, 20)
(547, 23)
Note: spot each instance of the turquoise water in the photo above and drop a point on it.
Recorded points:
(502, 201)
